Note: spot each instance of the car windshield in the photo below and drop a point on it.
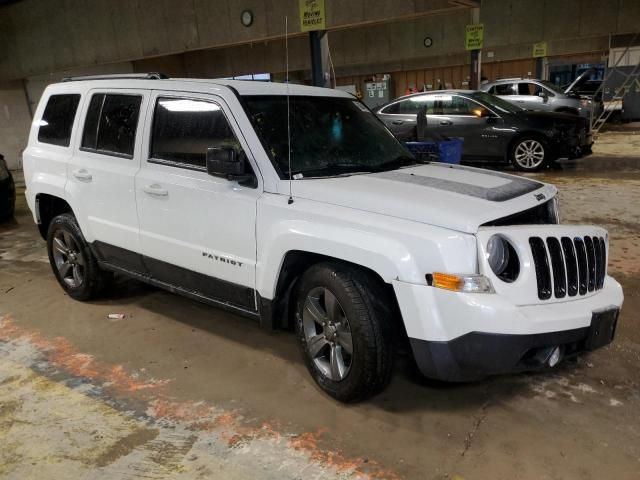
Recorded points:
(329, 136)
(551, 86)
(496, 103)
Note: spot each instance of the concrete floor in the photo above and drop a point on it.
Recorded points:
(177, 389)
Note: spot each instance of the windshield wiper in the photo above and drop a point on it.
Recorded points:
(399, 161)
(337, 168)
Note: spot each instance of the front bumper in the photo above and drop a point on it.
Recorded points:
(462, 337)
(575, 146)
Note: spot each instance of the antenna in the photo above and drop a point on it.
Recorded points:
(286, 49)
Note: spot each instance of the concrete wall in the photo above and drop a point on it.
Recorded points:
(15, 121)
(39, 36)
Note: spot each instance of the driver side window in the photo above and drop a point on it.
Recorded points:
(183, 129)
(458, 106)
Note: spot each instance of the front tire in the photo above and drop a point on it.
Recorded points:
(343, 326)
(72, 261)
(529, 154)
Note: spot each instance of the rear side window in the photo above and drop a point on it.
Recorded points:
(111, 123)
(412, 105)
(391, 109)
(183, 129)
(57, 120)
(504, 89)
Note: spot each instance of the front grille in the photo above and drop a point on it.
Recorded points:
(568, 266)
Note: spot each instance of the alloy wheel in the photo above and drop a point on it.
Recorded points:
(68, 258)
(327, 334)
(529, 154)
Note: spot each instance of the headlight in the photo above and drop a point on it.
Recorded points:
(502, 258)
(585, 103)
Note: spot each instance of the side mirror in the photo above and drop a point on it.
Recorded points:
(481, 112)
(225, 162)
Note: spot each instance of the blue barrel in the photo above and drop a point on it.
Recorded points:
(446, 151)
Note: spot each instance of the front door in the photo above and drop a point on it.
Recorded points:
(458, 116)
(532, 96)
(197, 231)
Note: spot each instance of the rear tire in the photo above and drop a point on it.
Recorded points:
(343, 324)
(72, 261)
(529, 154)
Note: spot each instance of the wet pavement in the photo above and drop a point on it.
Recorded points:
(177, 389)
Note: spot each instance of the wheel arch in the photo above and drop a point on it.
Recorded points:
(47, 207)
(294, 263)
(569, 110)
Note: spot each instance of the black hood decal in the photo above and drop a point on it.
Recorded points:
(516, 187)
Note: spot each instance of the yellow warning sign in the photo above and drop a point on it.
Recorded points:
(474, 37)
(311, 15)
(539, 49)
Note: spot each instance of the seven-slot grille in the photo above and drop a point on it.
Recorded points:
(568, 266)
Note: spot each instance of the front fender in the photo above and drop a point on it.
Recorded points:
(395, 249)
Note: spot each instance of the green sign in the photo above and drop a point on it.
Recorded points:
(312, 15)
(474, 36)
(539, 49)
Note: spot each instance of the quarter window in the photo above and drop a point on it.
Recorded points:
(184, 129)
(57, 120)
(111, 123)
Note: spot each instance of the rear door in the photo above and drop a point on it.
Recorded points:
(400, 117)
(197, 231)
(101, 173)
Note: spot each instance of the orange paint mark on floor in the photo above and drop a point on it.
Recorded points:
(198, 416)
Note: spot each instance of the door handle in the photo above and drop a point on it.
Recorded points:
(398, 122)
(82, 174)
(446, 122)
(156, 190)
(520, 101)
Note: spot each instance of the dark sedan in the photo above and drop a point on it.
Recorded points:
(7, 191)
(492, 128)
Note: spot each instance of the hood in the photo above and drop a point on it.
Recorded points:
(580, 80)
(450, 196)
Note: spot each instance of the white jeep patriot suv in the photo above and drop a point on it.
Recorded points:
(328, 225)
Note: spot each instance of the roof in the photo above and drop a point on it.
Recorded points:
(201, 85)
(436, 92)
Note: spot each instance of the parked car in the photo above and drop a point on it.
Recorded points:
(331, 226)
(492, 128)
(7, 191)
(542, 95)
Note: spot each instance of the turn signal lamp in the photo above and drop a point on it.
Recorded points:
(460, 283)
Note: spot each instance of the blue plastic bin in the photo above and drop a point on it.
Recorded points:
(445, 151)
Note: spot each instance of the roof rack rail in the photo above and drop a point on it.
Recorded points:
(508, 78)
(119, 76)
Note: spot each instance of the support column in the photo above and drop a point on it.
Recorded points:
(319, 47)
(476, 57)
(476, 68)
